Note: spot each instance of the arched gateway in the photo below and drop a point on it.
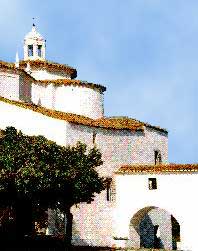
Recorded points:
(153, 227)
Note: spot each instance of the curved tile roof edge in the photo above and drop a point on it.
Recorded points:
(11, 66)
(46, 63)
(145, 123)
(73, 82)
(77, 119)
(157, 169)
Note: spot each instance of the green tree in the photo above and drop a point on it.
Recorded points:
(36, 170)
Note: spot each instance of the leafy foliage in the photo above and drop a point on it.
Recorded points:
(52, 175)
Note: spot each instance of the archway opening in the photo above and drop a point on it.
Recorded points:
(153, 227)
(175, 232)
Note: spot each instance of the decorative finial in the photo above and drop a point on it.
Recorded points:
(17, 60)
(33, 22)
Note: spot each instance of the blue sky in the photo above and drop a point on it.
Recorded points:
(144, 51)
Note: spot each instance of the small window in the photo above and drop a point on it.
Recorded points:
(94, 137)
(39, 50)
(152, 182)
(158, 157)
(30, 50)
(108, 187)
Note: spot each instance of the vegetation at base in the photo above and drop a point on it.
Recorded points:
(34, 170)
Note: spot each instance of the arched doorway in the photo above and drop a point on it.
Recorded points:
(153, 227)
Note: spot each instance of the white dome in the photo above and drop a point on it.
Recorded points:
(33, 34)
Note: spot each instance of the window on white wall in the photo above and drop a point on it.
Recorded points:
(94, 137)
(152, 183)
(30, 50)
(39, 50)
(108, 189)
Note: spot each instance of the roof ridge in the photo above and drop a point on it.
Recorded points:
(159, 168)
(45, 61)
(10, 65)
(136, 120)
(72, 118)
(74, 82)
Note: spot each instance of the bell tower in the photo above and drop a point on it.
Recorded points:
(34, 45)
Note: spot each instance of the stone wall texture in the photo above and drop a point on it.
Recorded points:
(9, 84)
(93, 223)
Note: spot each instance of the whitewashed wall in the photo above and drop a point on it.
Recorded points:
(46, 74)
(43, 95)
(93, 223)
(9, 84)
(72, 99)
(15, 85)
(32, 123)
(176, 193)
(118, 147)
(79, 100)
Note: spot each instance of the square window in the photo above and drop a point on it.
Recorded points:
(109, 189)
(152, 182)
(30, 50)
(39, 50)
(94, 137)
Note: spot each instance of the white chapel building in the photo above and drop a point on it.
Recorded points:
(149, 202)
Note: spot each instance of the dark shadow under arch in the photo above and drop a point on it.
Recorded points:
(153, 227)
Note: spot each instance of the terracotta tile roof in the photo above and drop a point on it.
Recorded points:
(11, 66)
(49, 65)
(120, 123)
(160, 168)
(79, 119)
(126, 120)
(73, 82)
(7, 65)
(113, 122)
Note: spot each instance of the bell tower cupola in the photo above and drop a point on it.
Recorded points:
(34, 45)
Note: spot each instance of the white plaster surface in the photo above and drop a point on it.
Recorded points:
(72, 99)
(97, 223)
(9, 84)
(174, 194)
(93, 223)
(41, 74)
